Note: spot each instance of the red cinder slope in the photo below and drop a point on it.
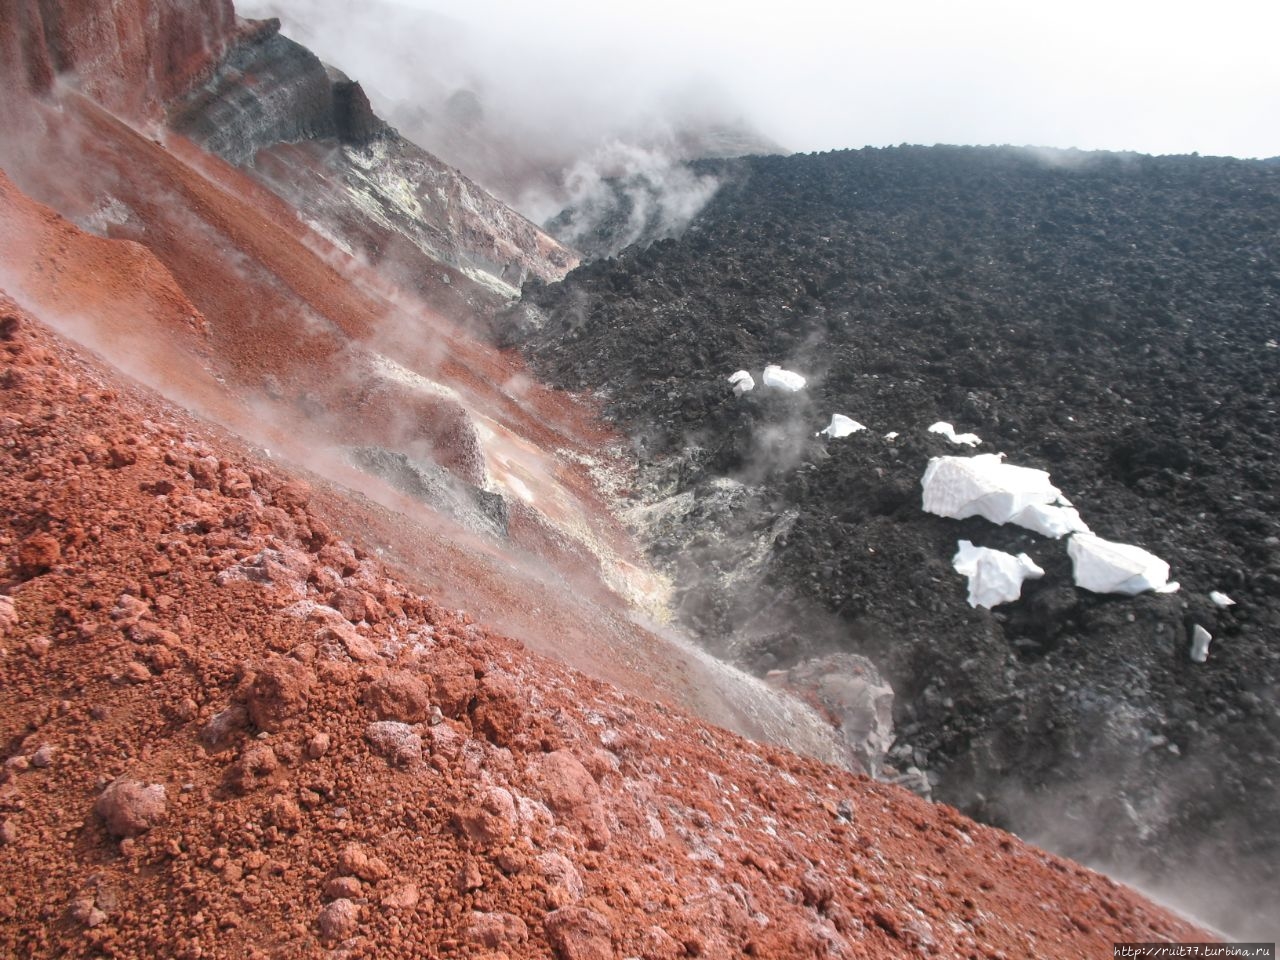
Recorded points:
(229, 733)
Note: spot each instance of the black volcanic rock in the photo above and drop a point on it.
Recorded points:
(1112, 319)
(269, 90)
(353, 115)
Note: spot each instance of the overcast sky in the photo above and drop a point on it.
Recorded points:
(1170, 77)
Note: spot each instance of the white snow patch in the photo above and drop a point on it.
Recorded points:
(891, 435)
(984, 486)
(1200, 640)
(779, 379)
(840, 426)
(995, 577)
(1106, 567)
(948, 431)
(1221, 599)
(1051, 520)
(742, 382)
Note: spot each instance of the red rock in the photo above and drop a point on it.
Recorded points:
(577, 933)
(340, 888)
(497, 929)
(339, 920)
(354, 859)
(293, 495)
(285, 815)
(355, 646)
(453, 684)
(130, 807)
(571, 792)
(404, 897)
(279, 694)
(657, 944)
(38, 554)
(399, 695)
(254, 765)
(399, 743)
(499, 712)
(223, 728)
(317, 746)
(564, 884)
(356, 605)
(491, 818)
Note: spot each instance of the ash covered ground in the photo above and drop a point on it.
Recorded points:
(1112, 319)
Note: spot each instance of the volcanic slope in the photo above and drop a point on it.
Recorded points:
(228, 732)
(1112, 319)
(214, 291)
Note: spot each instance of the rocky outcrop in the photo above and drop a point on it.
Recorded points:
(275, 109)
(132, 56)
(270, 90)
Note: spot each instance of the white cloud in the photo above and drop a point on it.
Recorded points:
(1168, 77)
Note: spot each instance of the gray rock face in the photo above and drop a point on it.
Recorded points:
(290, 99)
(273, 107)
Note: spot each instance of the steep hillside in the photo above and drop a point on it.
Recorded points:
(274, 512)
(229, 732)
(1111, 319)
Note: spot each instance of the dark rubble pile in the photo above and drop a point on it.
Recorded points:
(1112, 319)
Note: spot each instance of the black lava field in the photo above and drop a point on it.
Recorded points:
(1112, 319)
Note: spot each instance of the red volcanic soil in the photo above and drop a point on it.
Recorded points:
(229, 733)
(207, 323)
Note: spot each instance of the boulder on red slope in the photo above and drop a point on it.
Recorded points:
(130, 807)
(338, 920)
(398, 743)
(570, 791)
(577, 933)
(356, 605)
(38, 554)
(499, 712)
(490, 818)
(398, 695)
(253, 767)
(497, 929)
(453, 684)
(279, 693)
(8, 615)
